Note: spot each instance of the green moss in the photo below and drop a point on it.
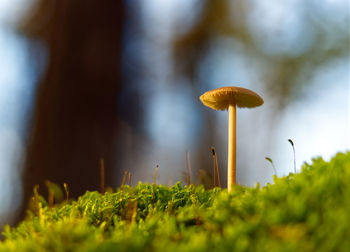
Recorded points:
(309, 211)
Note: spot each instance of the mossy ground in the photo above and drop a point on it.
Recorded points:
(308, 211)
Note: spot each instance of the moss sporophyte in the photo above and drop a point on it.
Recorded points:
(307, 211)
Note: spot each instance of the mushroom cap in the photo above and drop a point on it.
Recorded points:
(221, 98)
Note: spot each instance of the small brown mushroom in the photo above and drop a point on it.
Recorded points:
(228, 98)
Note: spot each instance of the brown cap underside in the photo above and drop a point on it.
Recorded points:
(221, 98)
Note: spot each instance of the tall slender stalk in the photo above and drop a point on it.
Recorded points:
(217, 170)
(155, 182)
(213, 154)
(188, 165)
(291, 142)
(231, 165)
(67, 191)
(215, 167)
(273, 166)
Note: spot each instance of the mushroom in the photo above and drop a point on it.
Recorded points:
(228, 98)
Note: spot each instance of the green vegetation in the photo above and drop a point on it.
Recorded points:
(309, 211)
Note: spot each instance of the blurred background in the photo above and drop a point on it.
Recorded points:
(120, 80)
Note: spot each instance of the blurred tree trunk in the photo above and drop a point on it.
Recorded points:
(75, 113)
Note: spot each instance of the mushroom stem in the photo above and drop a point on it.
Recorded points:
(231, 164)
